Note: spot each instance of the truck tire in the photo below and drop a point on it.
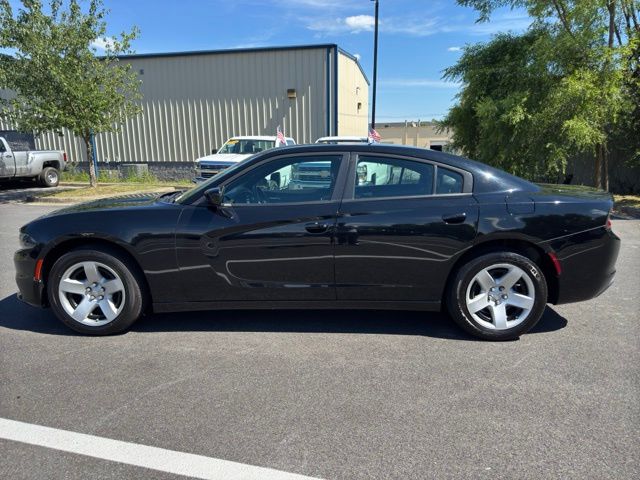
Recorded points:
(50, 177)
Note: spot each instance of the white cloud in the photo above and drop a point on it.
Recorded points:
(418, 82)
(454, 49)
(360, 23)
(417, 25)
(358, 56)
(102, 43)
(333, 26)
(365, 23)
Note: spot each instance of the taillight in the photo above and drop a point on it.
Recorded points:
(64, 157)
(608, 224)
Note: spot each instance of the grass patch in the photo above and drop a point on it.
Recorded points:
(113, 176)
(102, 191)
(632, 201)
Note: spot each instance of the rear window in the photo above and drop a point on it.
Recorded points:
(448, 181)
(19, 141)
(247, 147)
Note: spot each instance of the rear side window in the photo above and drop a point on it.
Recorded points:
(448, 181)
(378, 177)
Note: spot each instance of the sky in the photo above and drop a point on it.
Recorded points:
(417, 40)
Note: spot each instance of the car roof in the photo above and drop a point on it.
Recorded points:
(487, 179)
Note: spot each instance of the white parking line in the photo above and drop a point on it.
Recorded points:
(160, 459)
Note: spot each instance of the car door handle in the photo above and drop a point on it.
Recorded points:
(316, 227)
(455, 218)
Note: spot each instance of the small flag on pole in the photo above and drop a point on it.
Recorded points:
(374, 137)
(280, 137)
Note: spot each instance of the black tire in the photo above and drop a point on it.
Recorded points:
(49, 177)
(133, 301)
(456, 295)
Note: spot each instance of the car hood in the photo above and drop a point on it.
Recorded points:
(223, 157)
(135, 200)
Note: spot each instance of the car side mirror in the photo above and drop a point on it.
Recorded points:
(215, 196)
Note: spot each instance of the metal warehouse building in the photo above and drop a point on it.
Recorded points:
(194, 101)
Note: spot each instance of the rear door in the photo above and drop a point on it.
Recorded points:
(401, 225)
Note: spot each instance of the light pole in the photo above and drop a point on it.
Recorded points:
(375, 67)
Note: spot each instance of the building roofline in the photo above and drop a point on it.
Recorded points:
(186, 53)
(355, 59)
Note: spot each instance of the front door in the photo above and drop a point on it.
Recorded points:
(401, 225)
(273, 239)
(7, 162)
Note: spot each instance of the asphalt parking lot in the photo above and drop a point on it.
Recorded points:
(335, 395)
(17, 191)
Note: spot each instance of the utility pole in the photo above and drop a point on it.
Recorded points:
(375, 67)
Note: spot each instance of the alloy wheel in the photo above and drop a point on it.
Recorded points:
(500, 296)
(91, 293)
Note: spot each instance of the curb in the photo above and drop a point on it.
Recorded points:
(44, 199)
(49, 198)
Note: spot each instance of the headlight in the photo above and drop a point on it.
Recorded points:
(26, 241)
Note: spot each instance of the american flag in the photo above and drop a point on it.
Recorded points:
(374, 137)
(280, 137)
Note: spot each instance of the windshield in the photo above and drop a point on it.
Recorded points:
(246, 147)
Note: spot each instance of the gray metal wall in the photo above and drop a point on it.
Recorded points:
(193, 103)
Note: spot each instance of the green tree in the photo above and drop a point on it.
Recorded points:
(58, 80)
(569, 84)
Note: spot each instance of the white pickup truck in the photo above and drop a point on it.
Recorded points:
(42, 165)
(233, 151)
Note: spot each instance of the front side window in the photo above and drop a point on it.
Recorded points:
(378, 177)
(286, 180)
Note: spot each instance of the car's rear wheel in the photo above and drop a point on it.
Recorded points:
(49, 177)
(498, 296)
(93, 291)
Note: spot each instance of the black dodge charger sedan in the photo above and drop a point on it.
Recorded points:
(327, 226)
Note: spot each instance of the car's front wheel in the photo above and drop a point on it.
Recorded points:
(498, 296)
(94, 292)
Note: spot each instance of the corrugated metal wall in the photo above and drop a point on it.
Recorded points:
(192, 103)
